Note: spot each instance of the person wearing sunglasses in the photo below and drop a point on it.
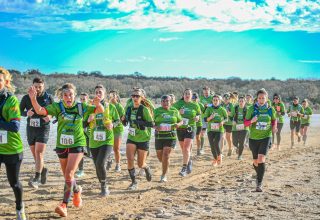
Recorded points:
(216, 115)
(167, 119)
(305, 120)
(239, 131)
(140, 123)
(280, 108)
(295, 112)
(190, 113)
(261, 118)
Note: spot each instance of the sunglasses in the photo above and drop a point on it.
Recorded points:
(135, 96)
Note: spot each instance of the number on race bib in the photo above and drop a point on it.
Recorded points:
(132, 131)
(262, 126)
(66, 139)
(215, 126)
(240, 127)
(99, 136)
(3, 137)
(165, 127)
(294, 114)
(185, 121)
(35, 122)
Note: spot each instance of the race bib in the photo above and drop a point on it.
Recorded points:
(165, 127)
(240, 127)
(305, 117)
(294, 114)
(35, 122)
(3, 137)
(185, 121)
(99, 135)
(66, 139)
(278, 108)
(132, 131)
(215, 126)
(262, 126)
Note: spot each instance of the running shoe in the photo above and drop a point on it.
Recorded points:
(219, 160)
(133, 186)
(118, 168)
(163, 179)
(299, 139)
(148, 173)
(141, 173)
(77, 200)
(229, 152)
(21, 215)
(215, 163)
(62, 210)
(34, 183)
(183, 171)
(259, 187)
(189, 167)
(79, 173)
(104, 191)
(44, 176)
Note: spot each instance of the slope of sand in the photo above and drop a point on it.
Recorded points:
(291, 188)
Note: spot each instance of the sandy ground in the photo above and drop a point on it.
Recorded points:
(291, 188)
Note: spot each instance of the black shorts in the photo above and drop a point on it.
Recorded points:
(40, 135)
(228, 128)
(64, 152)
(185, 133)
(140, 145)
(199, 129)
(11, 158)
(161, 143)
(295, 125)
(259, 146)
(305, 125)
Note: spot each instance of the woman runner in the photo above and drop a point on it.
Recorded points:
(305, 120)
(70, 137)
(11, 147)
(280, 108)
(167, 120)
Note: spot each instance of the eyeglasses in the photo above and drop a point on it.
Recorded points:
(135, 96)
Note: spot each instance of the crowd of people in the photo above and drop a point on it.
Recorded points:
(95, 127)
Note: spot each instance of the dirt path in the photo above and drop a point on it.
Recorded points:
(291, 189)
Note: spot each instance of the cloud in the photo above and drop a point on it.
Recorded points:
(129, 60)
(44, 16)
(166, 39)
(310, 61)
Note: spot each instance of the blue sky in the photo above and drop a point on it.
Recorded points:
(194, 38)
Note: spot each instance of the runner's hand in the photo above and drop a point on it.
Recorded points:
(32, 92)
(91, 118)
(253, 120)
(47, 118)
(30, 113)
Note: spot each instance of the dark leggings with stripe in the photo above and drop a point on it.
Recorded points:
(13, 171)
(100, 156)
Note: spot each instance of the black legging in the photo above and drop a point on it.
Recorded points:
(100, 156)
(214, 140)
(13, 171)
(238, 139)
(279, 126)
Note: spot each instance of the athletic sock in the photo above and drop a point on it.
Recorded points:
(132, 173)
(37, 176)
(261, 169)
(201, 143)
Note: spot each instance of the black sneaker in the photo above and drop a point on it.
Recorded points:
(183, 171)
(133, 186)
(148, 173)
(104, 191)
(34, 183)
(189, 167)
(44, 176)
(259, 187)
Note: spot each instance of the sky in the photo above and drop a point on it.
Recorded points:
(251, 39)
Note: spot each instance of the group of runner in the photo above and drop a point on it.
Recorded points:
(95, 128)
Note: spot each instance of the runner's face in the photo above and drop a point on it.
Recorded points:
(68, 97)
(276, 100)
(187, 96)
(226, 100)
(206, 92)
(39, 88)
(112, 97)
(242, 102)
(2, 82)
(100, 93)
(304, 104)
(166, 103)
(136, 98)
(216, 101)
(84, 99)
(296, 101)
(248, 98)
(262, 99)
